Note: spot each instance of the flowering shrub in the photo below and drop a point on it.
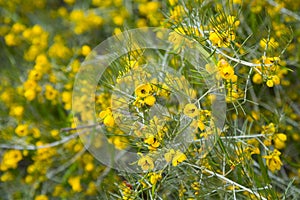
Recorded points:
(214, 114)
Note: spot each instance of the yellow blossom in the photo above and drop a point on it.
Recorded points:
(10, 159)
(154, 177)
(92, 189)
(7, 176)
(18, 28)
(36, 132)
(85, 50)
(163, 91)
(257, 78)
(70, 2)
(50, 92)
(29, 94)
(152, 141)
(270, 83)
(54, 132)
(89, 167)
(149, 7)
(190, 110)
(279, 140)
(146, 163)
(273, 161)
(59, 50)
(177, 13)
(178, 40)
(67, 99)
(120, 142)
(75, 183)
(41, 197)
(276, 80)
(269, 44)
(150, 100)
(11, 40)
(107, 117)
(58, 190)
(173, 2)
(227, 72)
(222, 63)
(221, 39)
(169, 155)
(178, 158)
(143, 90)
(195, 186)
(269, 129)
(35, 75)
(16, 111)
(22, 130)
(201, 125)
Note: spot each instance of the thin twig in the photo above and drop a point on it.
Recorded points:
(227, 180)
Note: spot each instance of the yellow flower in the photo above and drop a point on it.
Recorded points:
(150, 100)
(18, 28)
(11, 40)
(36, 132)
(35, 75)
(257, 78)
(163, 91)
(89, 167)
(16, 111)
(54, 132)
(107, 117)
(70, 2)
(178, 158)
(269, 44)
(177, 13)
(143, 90)
(169, 155)
(222, 63)
(152, 141)
(221, 39)
(270, 83)
(22, 130)
(92, 189)
(75, 183)
(190, 110)
(146, 163)
(10, 159)
(195, 186)
(227, 72)
(50, 92)
(154, 177)
(29, 94)
(201, 125)
(7, 176)
(279, 140)
(173, 2)
(178, 40)
(41, 197)
(66, 98)
(85, 50)
(276, 80)
(273, 161)
(120, 142)
(268, 129)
